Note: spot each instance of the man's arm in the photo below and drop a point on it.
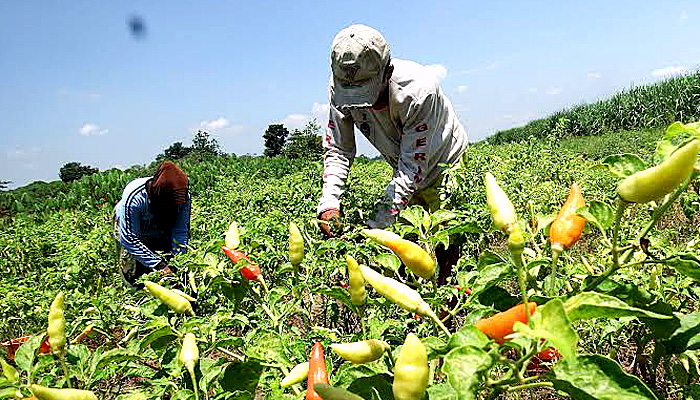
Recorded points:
(339, 143)
(181, 230)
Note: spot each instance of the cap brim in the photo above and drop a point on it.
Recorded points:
(357, 96)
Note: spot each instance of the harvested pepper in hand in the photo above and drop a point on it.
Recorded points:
(171, 299)
(411, 371)
(568, 226)
(57, 325)
(233, 238)
(500, 325)
(411, 254)
(358, 294)
(296, 246)
(318, 374)
(296, 375)
(501, 209)
(44, 393)
(361, 352)
(653, 183)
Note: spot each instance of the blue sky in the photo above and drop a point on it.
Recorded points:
(75, 85)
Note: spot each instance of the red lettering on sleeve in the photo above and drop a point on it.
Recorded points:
(331, 125)
(422, 127)
(420, 142)
(419, 156)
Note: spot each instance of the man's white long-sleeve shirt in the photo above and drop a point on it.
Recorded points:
(416, 131)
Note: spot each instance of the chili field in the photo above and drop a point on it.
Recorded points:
(614, 316)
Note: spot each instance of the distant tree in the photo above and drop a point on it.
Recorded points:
(305, 143)
(176, 151)
(203, 145)
(74, 170)
(275, 137)
(3, 184)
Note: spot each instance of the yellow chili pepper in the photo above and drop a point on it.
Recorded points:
(411, 254)
(171, 299)
(500, 206)
(358, 294)
(87, 331)
(296, 245)
(653, 183)
(361, 352)
(45, 393)
(233, 238)
(411, 371)
(57, 325)
(396, 292)
(297, 375)
(189, 354)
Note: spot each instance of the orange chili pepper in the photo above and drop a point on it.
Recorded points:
(500, 325)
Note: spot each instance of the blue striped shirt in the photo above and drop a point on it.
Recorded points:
(137, 226)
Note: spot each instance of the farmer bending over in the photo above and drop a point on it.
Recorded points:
(399, 107)
(152, 215)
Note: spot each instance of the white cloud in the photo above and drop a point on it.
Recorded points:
(439, 71)
(119, 167)
(669, 71)
(532, 90)
(92, 130)
(684, 15)
(462, 88)
(507, 116)
(594, 75)
(553, 91)
(295, 121)
(214, 124)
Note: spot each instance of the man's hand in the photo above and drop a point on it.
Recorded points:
(165, 269)
(333, 216)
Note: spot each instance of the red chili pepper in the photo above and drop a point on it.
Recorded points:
(318, 374)
(249, 270)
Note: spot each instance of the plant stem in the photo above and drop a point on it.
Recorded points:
(529, 386)
(622, 205)
(65, 370)
(194, 384)
(662, 209)
(551, 289)
(522, 280)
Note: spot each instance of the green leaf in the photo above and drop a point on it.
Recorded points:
(375, 387)
(24, 357)
(414, 215)
(685, 336)
(441, 216)
(591, 305)
(686, 264)
(335, 393)
(442, 391)
(154, 335)
(551, 322)
(389, 261)
(624, 165)
(490, 276)
(9, 393)
(594, 377)
(9, 372)
(349, 372)
(465, 367)
(241, 376)
(468, 335)
(599, 214)
(543, 221)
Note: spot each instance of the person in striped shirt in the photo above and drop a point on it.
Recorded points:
(152, 216)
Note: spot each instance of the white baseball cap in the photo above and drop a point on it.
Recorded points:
(359, 56)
